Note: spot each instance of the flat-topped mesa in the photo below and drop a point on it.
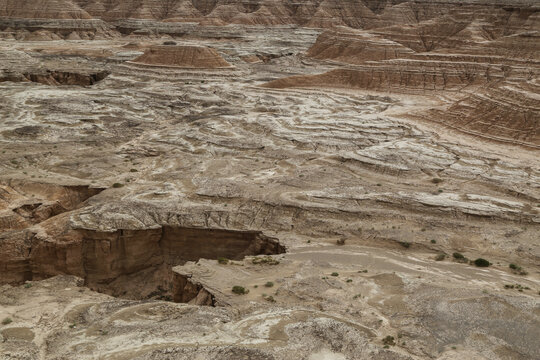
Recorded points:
(183, 56)
(355, 47)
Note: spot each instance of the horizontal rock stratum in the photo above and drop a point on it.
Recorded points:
(183, 56)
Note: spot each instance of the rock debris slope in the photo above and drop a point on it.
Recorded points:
(269, 179)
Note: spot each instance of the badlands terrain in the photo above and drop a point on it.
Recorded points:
(269, 179)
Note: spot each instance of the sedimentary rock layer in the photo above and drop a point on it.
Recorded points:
(183, 56)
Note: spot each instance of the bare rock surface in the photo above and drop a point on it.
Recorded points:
(269, 179)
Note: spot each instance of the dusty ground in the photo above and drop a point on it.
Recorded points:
(311, 167)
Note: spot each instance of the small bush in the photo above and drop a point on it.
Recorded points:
(334, 274)
(389, 340)
(460, 257)
(436, 180)
(433, 241)
(269, 284)
(440, 257)
(405, 244)
(133, 170)
(7, 321)
(222, 260)
(349, 280)
(169, 42)
(117, 185)
(28, 285)
(340, 241)
(239, 290)
(269, 298)
(517, 269)
(481, 262)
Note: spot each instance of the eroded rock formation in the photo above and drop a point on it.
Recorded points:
(129, 263)
(183, 56)
(388, 144)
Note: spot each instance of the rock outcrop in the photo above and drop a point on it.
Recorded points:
(185, 56)
(130, 263)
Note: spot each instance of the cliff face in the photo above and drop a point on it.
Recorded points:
(38, 240)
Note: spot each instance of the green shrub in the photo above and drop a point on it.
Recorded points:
(436, 180)
(405, 244)
(440, 257)
(389, 340)
(269, 284)
(239, 290)
(334, 274)
(117, 185)
(7, 321)
(222, 260)
(433, 241)
(460, 257)
(481, 262)
(517, 269)
(28, 285)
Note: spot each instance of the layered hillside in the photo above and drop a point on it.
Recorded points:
(483, 58)
(43, 9)
(183, 56)
(312, 13)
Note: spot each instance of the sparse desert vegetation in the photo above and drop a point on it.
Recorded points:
(274, 179)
